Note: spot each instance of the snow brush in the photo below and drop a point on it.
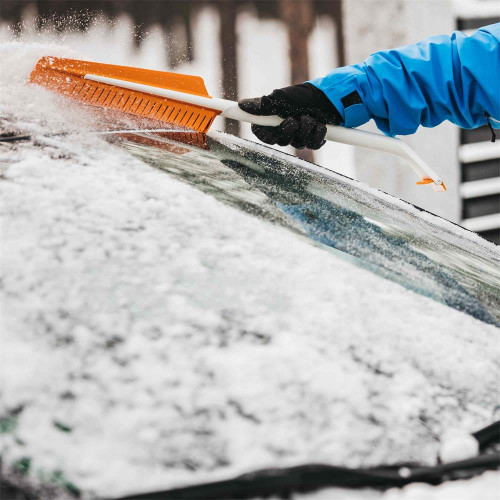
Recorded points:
(183, 100)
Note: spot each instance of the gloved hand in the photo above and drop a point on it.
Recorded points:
(306, 110)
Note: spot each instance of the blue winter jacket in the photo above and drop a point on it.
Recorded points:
(441, 78)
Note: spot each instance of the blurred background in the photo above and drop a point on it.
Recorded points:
(246, 48)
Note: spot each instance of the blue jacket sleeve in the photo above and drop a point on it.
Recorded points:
(441, 78)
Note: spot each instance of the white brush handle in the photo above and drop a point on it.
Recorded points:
(230, 109)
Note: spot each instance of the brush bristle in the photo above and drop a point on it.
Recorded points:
(65, 81)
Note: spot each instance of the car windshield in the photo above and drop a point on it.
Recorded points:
(231, 309)
(390, 238)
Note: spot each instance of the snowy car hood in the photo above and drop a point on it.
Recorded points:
(154, 336)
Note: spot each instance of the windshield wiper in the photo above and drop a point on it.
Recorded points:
(282, 482)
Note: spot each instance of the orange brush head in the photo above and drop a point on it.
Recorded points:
(66, 76)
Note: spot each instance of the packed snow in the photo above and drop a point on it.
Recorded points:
(457, 445)
(154, 337)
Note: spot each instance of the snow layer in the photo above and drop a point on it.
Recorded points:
(457, 445)
(153, 336)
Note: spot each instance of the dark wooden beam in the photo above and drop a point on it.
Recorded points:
(228, 40)
(299, 17)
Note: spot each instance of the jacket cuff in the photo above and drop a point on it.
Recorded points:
(345, 94)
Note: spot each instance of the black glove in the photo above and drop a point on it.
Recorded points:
(306, 110)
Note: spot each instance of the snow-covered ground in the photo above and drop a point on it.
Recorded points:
(153, 336)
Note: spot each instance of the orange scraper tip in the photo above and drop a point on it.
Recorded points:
(66, 76)
(436, 187)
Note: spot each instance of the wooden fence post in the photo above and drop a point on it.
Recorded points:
(228, 39)
(299, 18)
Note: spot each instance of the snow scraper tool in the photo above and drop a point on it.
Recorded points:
(183, 100)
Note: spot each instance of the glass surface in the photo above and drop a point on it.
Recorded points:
(417, 250)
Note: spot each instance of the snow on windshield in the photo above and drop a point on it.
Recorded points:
(153, 336)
